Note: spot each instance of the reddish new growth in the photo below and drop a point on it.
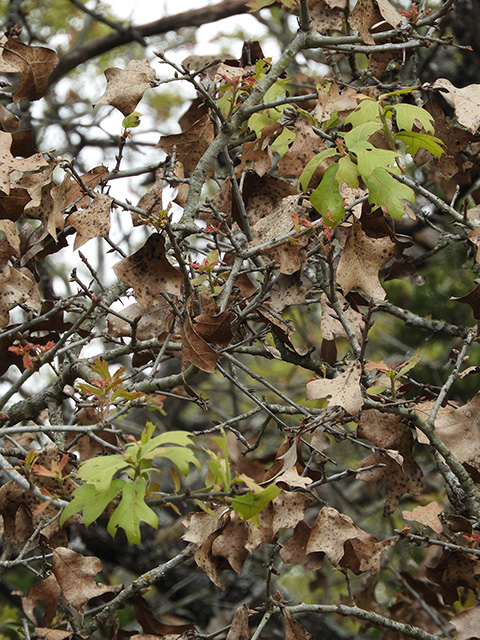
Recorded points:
(29, 351)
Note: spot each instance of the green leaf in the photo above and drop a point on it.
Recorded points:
(100, 366)
(131, 121)
(347, 172)
(326, 198)
(370, 158)
(361, 133)
(377, 389)
(406, 115)
(385, 191)
(313, 165)
(249, 505)
(100, 471)
(92, 502)
(367, 111)
(132, 510)
(282, 143)
(414, 141)
(408, 365)
(180, 456)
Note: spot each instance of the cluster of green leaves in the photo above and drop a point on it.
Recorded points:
(357, 160)
(135, 464)
(247, 504)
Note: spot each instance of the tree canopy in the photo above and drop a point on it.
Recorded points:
(239, 335)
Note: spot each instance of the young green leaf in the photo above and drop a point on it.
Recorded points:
(326, 198)
(414, 141)
(385, 191)
(100, 471)
(131, 511)
(313, 165)
(406, 114)
(92, 502)
(249, 505)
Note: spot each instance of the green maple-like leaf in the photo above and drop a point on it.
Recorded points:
(367, 111)
(370, 158)
(326, 198)
(131, 511)
(386, 193)
(414, 141)
(99, 472)
(249, 505)
(312, 165)
(92, 502)
(406, 114)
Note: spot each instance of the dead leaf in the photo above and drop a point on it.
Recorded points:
(293, 629)
(465, 102)
(75, 575)
(330, 531)
(427, 515)
(17, 287)
(344, 390)
(191, 144)
(467, 623)
(35, 65)
(153, 321)
(287, 290)
(92, 222)
(459, 430)
(149, 272)
(125, 87)
(330, 325)
(239, 626)
(361, 260)
(47, 591)
(402, 472)
(8, 163)
(194, 348)
(326, 16)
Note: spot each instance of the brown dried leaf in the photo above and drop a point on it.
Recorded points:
(331, 530)
(344, 390)
(293, 629)
(365, 14)
(91, 179)
(361, 555)
(9, 163)
(342, 101)
(401, 470)
(125, 87)
(295, 549)
(35, 65)
(17, 287)
(230, 542)
(289, 509)
(326, 15)
(92, 222)
(454, 569)
(239, 627)
(330, 325)
(47, 591)
(154, 321)
(194, 348)
(459, 430)
(52, 634)
(361, 260)
(465, 102)
(471, 298)
(261, 195)
(287, 291)
(191, 144)
(149, 272)
(427, 515)
(75, 575)
(467, 623)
